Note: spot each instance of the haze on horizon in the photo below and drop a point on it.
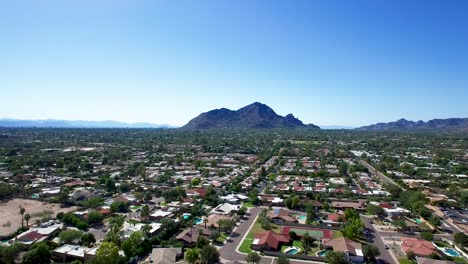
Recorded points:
(348, 63)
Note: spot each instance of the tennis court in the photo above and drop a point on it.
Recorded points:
(313, 232)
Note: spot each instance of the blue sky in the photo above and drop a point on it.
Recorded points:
(165, 61)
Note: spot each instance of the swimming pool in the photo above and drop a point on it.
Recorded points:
(198, 221)
(322, 253)
(302, 217)
(451, 252)
(417, 220)
(292, 250)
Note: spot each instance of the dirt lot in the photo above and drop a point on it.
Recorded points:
(10, 218)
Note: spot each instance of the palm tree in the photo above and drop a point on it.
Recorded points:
(22, 210)
(205, 221)
(27, 217)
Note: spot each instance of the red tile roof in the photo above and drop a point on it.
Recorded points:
(271, 239)
(418, 246)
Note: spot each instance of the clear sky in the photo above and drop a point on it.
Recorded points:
(165, 61)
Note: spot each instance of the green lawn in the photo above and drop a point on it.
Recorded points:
(248, 205)
(257, 228)
(298, 243)
(459, 260)
(441, 244)
(337, 234)
(245, 246)
(222, 237)
(405, 261)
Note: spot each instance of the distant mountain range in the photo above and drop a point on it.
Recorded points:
(6, 122)
(256, 115)
(403, 124)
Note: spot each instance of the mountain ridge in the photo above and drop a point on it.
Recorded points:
(255, 115)
(403, 124)
(59, 123)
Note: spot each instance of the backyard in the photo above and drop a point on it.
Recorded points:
(10, 219)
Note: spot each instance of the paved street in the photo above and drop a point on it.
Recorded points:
(385, 256)
(381, 176)
(228, 252)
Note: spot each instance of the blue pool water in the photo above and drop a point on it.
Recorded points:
(186, 217)
(323, 253)
(292, 251)
(303, 217)
(198, 221)
(451, 252)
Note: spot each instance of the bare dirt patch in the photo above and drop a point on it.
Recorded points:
(10, 218)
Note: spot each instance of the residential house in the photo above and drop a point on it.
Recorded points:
(165, 255)
(279, 215)
(359, 205)
(420, 247)
(190, 235)
(68, 253)
(225, 209)
(352, 249)
(269, 240)
(38, 234)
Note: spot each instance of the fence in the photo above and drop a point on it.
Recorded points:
(302, 257)
(305, 225)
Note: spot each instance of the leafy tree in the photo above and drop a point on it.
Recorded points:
(88, 239)
(39, 253)
(94, 217)
(427, 236)
(461, 239)
(110, 185)
(139, 196)
(242, 211)
(375, 210)
(214, 235)
(191, 256)
(371, 252)
(116, 224)
(70, 236)
(410, 255)
(353, 229)
(265, 222)
(132, 244)
(195, 181)
(435, 221)
(201, 241)
(168, 228)
(145, 212)
(226, 225)
(253, 257)
(119, 207)
(209, 254)
(282, 259)
(400, 224)
(10, 252)
(93, 203)
(334, 257)
(107, 253)
(351, 214)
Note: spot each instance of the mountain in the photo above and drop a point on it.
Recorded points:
(6, 122)
(256, 115)
(403, 124)
(337, 127)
